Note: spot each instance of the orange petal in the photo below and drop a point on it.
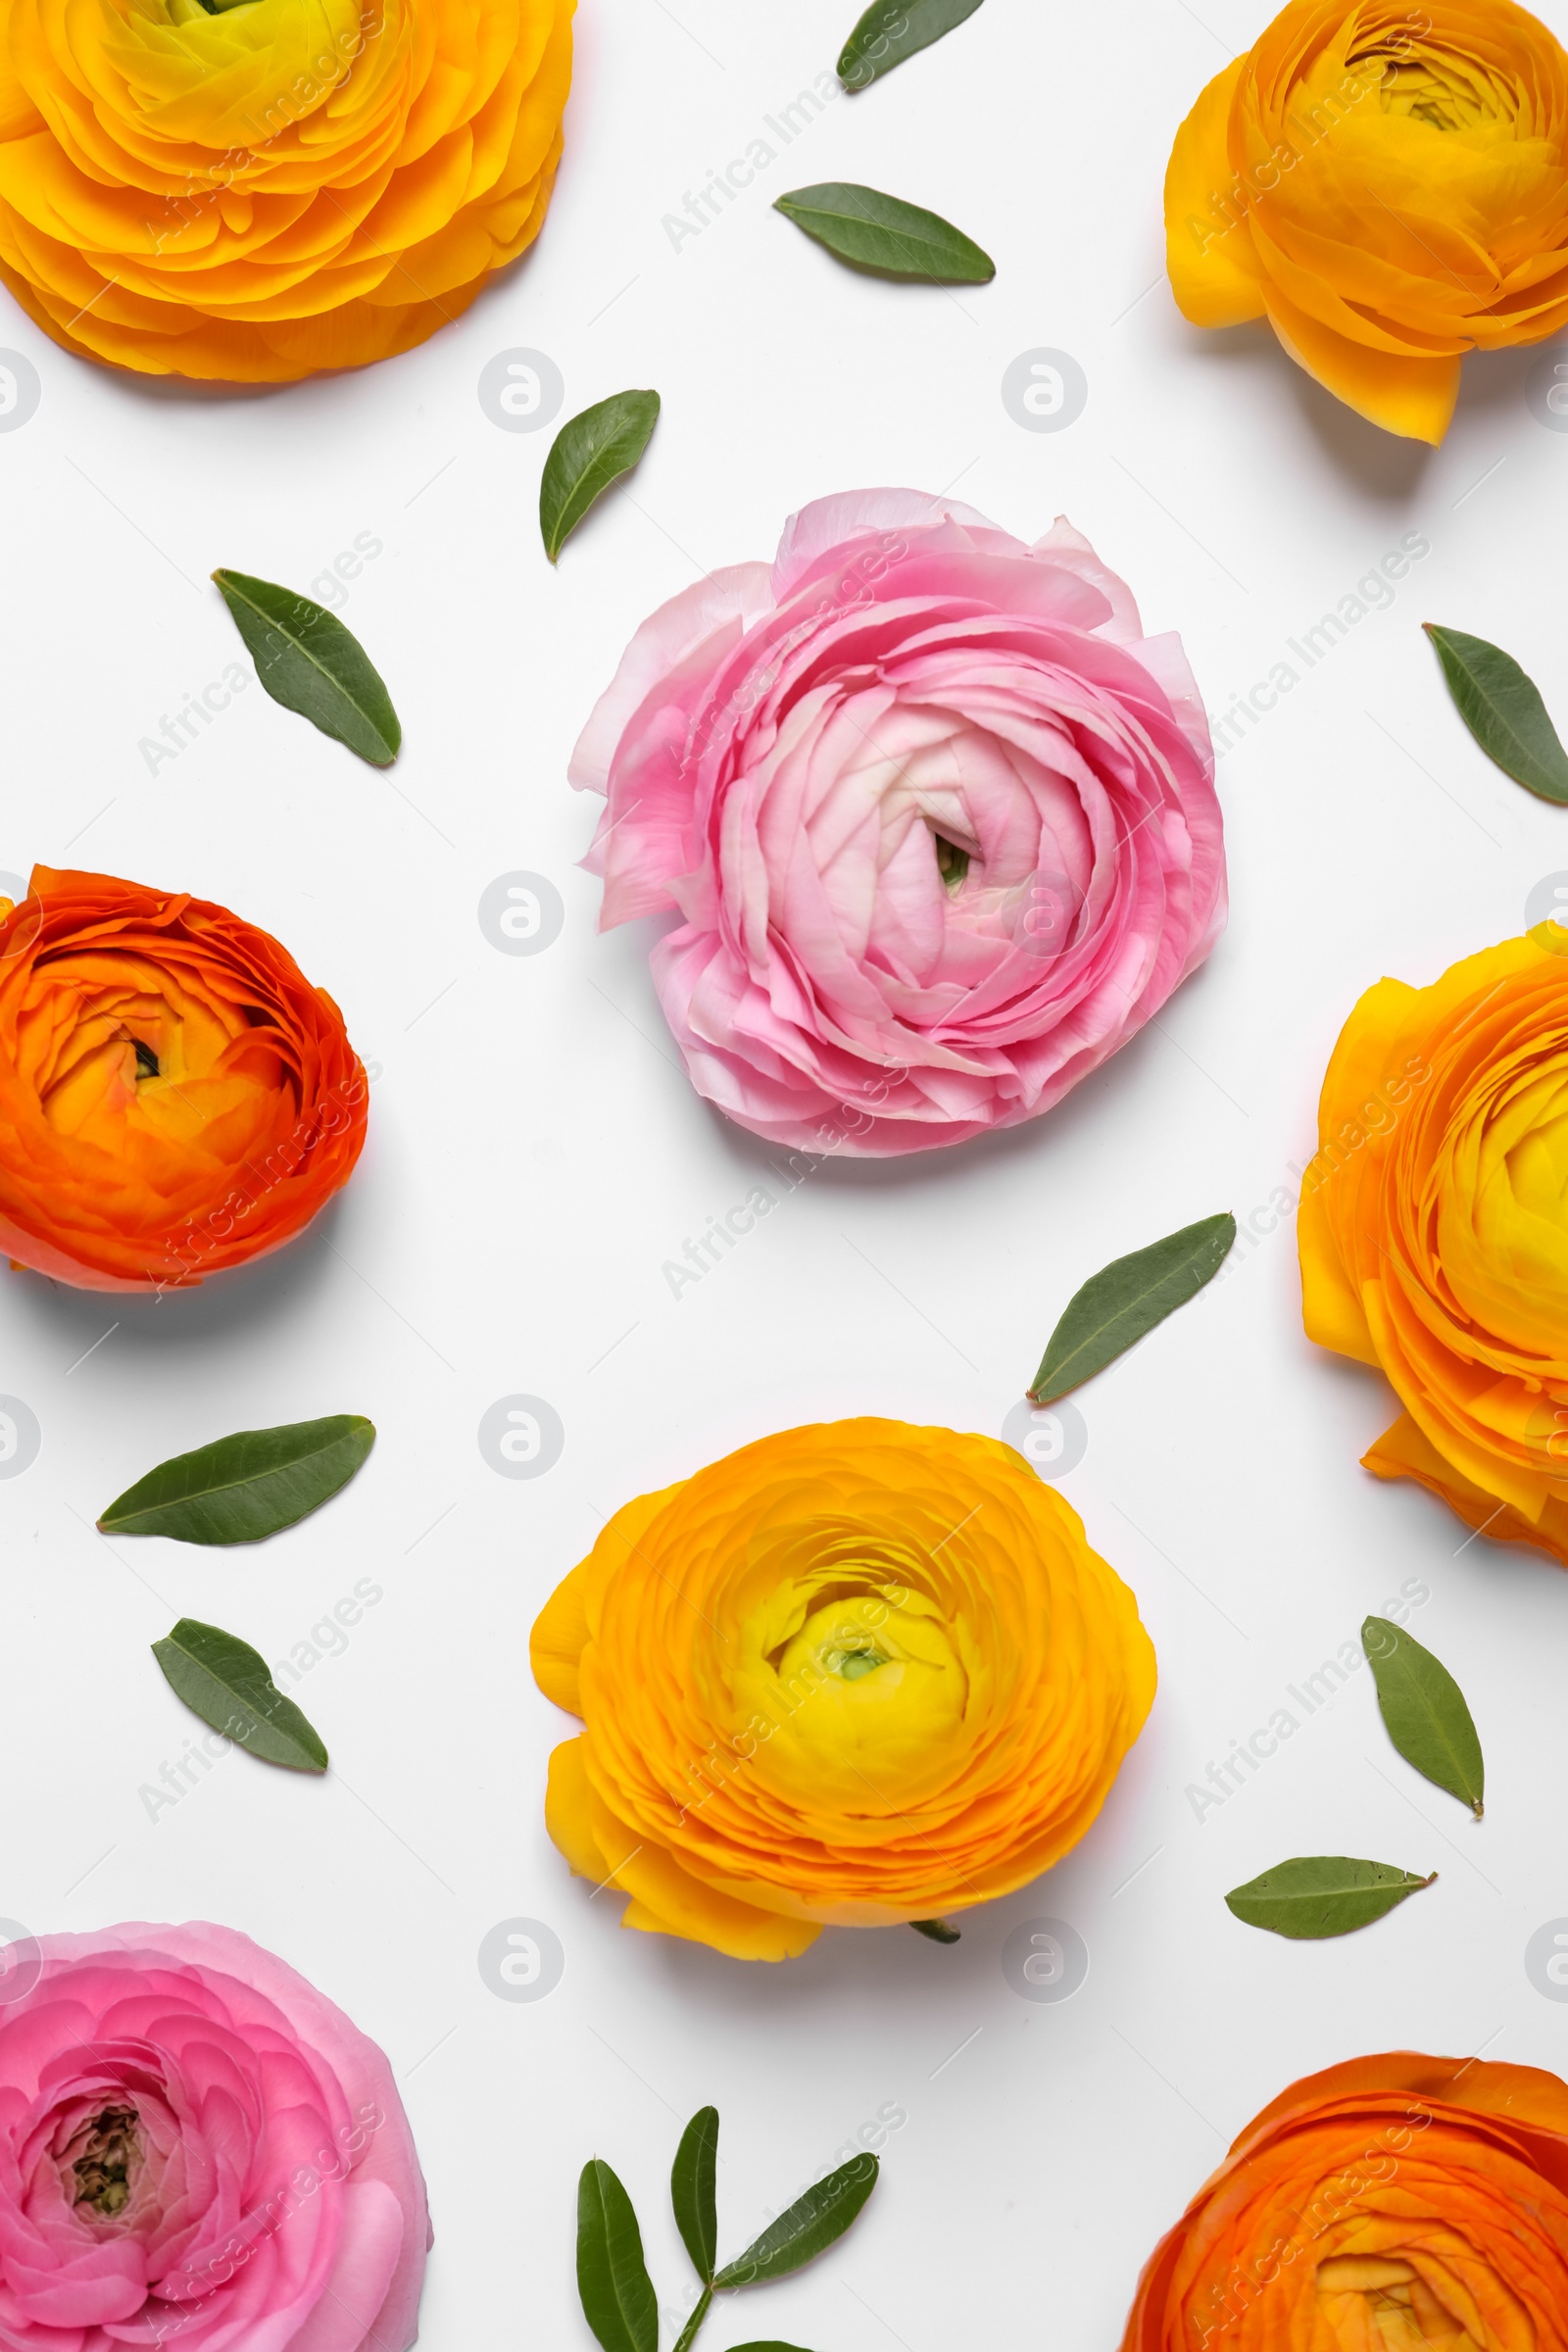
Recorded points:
(564, 1626)
(1209, 246)
(1412, 397)
(1404, 1451)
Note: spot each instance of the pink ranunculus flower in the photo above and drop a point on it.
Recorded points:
(940, 820)
(197, 2151)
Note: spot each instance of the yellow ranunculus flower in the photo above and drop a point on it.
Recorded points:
(275, 187)
(1388, 185)
(1434, 1232)
(853, 1675)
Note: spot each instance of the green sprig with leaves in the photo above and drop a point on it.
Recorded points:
(618, 2295)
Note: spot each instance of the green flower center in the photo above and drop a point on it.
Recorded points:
(103, 2169)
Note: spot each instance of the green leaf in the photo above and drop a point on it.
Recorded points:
(1325, 1895)
(618, 2295)
(1118, 1307)
(892, 31)
(882, 234)
(226, 1683)
(242, 1487)
(691, 2192)
(1503, 711)
(940, 1930)
(309, 663)
(589, 454)
(810, 2226)
(1426, 1713)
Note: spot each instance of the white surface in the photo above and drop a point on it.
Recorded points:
(534, 1157)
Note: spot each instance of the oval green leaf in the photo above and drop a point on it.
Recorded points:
(618, 2295)
(1503, 711)
(226, 1683)
(940, 1930)
(1426, 1714)
(244, 1488)
(892, 31)
(812, 2225)
(692, 2192)
(1118, 1307)
(590, 453)
(309, 663)
(1323, 1894)
(884, 234)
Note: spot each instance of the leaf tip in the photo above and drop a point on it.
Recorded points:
(1477, 1808)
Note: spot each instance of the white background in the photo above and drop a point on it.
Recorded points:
(535, 1155)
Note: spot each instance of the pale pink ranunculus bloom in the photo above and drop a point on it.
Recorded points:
(199, 2153)
(939, 818)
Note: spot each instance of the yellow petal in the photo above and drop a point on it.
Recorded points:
(569, 1813)
(1411, 397)
(1209, 246)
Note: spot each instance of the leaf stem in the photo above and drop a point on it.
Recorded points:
(688, 2335)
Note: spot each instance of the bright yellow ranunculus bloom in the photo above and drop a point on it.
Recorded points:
(1434, 1230)
(1388, 185)
(280, 186)
(851, 1675)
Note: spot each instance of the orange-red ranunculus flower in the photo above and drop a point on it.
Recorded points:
(1388, 185)
(856, 1675)
(1386, 2205)
(251, 191)
(175, 1096)
(1434, 1230)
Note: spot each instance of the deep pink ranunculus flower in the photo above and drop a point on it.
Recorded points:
(197, 2152)
(940, 819)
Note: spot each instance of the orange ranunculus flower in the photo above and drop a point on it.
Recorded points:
(1384, 2205)
(175, 1096)
(277, 187)
(1388, 185)
(854, 1675)
(1434, 1230)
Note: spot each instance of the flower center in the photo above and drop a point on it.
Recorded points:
(853, 1663)
(110, 2149)
(146, 1059)
(1376, 2301)
(1445, 96)
(953, 863)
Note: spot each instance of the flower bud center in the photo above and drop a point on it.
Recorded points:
(1377, 2299)
(110, 2150)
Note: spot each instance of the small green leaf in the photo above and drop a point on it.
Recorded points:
(892, 31)
(691, 2192)
(618, 2295)
(1426, 1713)
(1324, 1895)
(240, 1489)
(1118, 1307)
(1503, 711)
(589, 454)
(882, 234)
(226, 1683)
(309, 663)
(810, 2226)
(940, 1930)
